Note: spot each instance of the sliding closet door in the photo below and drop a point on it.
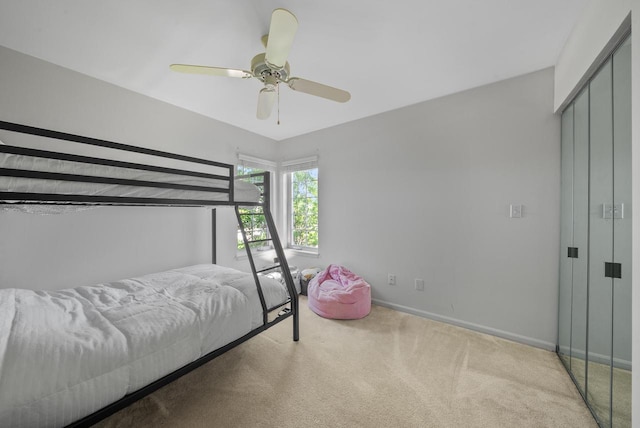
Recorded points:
(621, 382)
(580, 238)
(595, 268)
(566, 240)
(600, 244)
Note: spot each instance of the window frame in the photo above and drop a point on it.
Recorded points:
(287, 170)
(247, 161)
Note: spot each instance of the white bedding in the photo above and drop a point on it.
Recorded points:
(65, 354)
(243, 191)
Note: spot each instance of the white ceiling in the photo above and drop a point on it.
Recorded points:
(388, 54)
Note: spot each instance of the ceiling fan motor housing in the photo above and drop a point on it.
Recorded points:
(262, 70)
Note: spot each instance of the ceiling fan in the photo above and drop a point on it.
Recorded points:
(272, 67)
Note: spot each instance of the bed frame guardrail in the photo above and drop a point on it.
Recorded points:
(53, 198)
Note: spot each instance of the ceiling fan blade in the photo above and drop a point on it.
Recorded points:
(212, 71)
(319, 90)
(266, 99)
(281, 31)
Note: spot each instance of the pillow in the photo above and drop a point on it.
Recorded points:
(308, 274)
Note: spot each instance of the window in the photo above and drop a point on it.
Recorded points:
(255, 223)
(302, 204)
(304, 209)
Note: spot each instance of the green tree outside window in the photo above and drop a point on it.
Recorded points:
(304, 208)
(252, 217)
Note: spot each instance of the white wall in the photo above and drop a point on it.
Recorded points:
(424, 192)
(589, 40)
(107, 243)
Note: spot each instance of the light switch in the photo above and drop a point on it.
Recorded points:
(612, 211)
(618, 211)
(515, 211)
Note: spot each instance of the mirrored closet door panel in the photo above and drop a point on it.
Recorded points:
(621, 381)
(600, 243)
(580, 239)
(566, 240)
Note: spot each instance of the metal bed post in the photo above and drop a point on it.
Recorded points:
(214, 237)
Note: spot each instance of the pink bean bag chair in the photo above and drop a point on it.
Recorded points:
(338, 293)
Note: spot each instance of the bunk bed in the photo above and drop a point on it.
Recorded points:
(87, 360)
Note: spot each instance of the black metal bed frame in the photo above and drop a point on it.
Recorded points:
(7, 197)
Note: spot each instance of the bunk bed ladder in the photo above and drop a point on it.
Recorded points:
(282, 265)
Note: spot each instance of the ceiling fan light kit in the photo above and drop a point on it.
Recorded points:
(272, 68)
(266, 99)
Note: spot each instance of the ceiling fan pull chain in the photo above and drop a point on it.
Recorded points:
(278, 90)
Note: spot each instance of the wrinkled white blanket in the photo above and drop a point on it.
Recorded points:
(65, 354)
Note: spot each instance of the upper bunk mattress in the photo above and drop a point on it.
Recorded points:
(66, 354)
(243, 191)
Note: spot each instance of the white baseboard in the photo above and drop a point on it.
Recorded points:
(469, 325)
(598, 358)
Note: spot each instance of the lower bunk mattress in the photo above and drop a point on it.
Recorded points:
(66, 354)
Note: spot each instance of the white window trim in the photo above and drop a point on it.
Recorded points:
(256, 162)
(308, 162)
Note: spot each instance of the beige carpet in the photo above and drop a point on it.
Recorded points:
(388, 370)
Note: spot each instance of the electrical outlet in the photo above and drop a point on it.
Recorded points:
(419, 284)
(391, 279)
